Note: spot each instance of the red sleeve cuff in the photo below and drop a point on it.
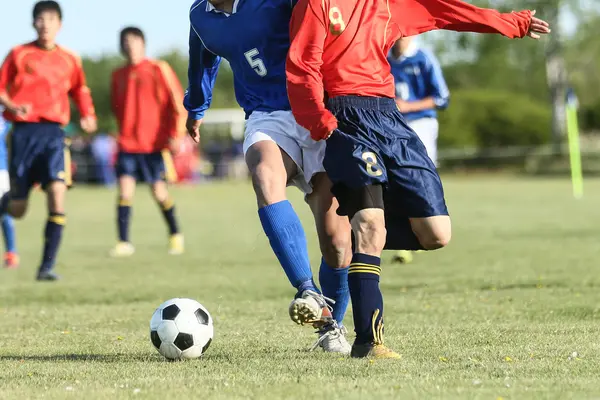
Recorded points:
(523, 19)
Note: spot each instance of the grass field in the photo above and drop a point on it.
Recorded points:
(509, 310)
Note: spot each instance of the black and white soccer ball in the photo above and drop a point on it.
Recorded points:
(181, 329)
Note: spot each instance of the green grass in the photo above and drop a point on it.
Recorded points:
(498, 314)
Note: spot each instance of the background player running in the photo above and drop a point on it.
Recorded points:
(146, 101)
(381, 173)
(36, 81)
(254, 38)
(420, 91)
(11, 258)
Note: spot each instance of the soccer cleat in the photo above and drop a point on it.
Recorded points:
(47, 276)
(332, 339)
(176, 244)
(403, 257)
(11, 260)
(122, 249)
(373, 351)
(311, 308)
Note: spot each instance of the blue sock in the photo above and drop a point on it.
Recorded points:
(288, 241)
(8, 230)
(334, 283)
(52, 237)
(367, 301)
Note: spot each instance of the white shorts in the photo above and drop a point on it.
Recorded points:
(281, 127)
(427, 130)
(4, 182)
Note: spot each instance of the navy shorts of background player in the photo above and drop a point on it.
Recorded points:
(144, 167)
(375, 160)
(38, 153)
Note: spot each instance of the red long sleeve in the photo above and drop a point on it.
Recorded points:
(303, 70)
(80, 92)
(419, 16)
(341, 49)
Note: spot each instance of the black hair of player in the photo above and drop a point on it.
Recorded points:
(46, 5)
(130, 30)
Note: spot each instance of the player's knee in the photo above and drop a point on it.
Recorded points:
(369, 230)
(269, 184)
(435, 238)
(17, 209)
(337, 249)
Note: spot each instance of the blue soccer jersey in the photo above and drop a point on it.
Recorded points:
(254, 39)
(418, 75)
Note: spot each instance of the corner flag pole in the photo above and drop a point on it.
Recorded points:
(574, 150)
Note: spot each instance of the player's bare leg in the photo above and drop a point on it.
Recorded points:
(271, 168)
(160, 193)
(369, 230)
(17, 208)
(336, 247)
(55, 193)
(433, 232)
(124, 248)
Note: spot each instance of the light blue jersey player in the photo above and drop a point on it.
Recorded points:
(252, 35)
(11, 258)
(420, 90)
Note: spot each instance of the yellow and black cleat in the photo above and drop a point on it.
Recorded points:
(374, 352)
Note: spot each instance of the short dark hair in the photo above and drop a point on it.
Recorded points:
(42, 6)
(130, 30)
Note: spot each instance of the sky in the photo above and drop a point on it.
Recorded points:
(91, 27)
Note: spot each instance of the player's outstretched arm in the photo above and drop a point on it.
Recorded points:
(303, 71)
(418, 16)
(202, 74)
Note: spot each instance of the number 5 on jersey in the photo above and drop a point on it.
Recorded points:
(255, 62)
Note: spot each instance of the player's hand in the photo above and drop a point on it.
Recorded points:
(403, 106)
(538, 27)
(88, 124)
(20, 110)
(193, 128)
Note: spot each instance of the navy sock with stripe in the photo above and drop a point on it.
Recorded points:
(367, 300)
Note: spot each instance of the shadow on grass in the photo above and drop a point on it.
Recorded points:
(524, 286)
(102, 358)
(107, 358)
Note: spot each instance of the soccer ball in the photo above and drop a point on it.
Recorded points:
(181, 329)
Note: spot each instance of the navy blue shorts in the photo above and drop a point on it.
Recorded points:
(146, 167)
(374, 145)
(38, 154)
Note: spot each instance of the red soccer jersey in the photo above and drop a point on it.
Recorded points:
(147, 100)
(340, 48)
(44, 79)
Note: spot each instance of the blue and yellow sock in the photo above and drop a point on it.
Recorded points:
(367, 300)
(52, 237)
(168, 211)
(288, 241)
(8, 231)
(334, 284)
(123, 218)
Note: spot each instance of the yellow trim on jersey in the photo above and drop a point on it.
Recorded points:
(175, 94)
(170, 172)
